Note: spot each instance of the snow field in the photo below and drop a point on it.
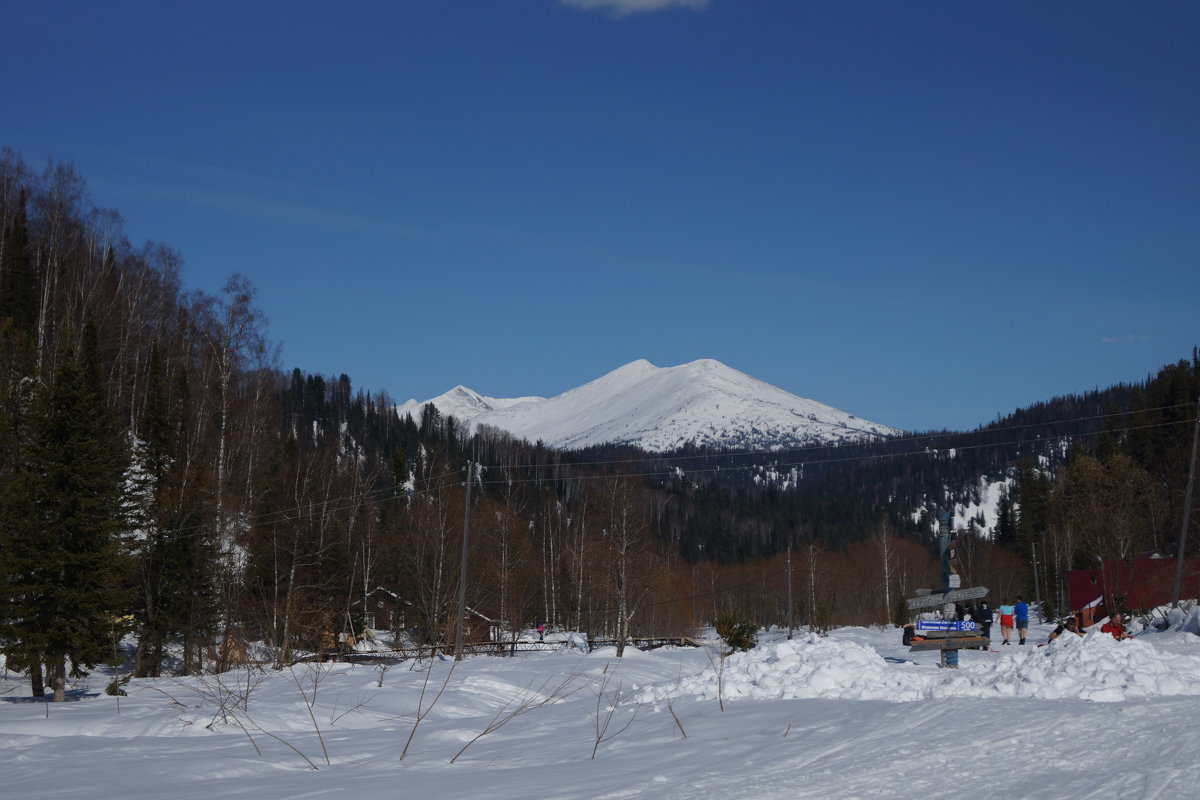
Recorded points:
(853, 714)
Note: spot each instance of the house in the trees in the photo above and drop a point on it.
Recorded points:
(1129, 584)
(384, 610)
(381, 609)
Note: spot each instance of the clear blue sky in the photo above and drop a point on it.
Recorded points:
(925, 214)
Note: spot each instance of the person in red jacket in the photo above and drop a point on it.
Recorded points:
(1115, 627)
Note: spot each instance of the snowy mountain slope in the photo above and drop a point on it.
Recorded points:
(662, 408)
(975, 508)
(463, 404)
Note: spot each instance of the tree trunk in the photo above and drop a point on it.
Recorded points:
(36, 685)
(58, 679)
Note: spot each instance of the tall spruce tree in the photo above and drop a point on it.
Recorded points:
(63, 512)
(162, 555)
(1006, 526)
(1033, 507)
(18, 278)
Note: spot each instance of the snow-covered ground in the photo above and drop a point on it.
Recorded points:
(850, 715)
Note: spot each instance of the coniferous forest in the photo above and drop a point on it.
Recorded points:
(162, 475)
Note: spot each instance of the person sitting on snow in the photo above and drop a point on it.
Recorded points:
(1115, 627)
(1070, 625)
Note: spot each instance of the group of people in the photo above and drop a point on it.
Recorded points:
(1115, 627)
(1011, 615)
(1016, 616)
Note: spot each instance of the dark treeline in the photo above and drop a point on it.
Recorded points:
(837, 493)
(1116, 494)
(162, 476)
(1083, 478)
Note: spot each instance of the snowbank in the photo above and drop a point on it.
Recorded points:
(802, 668)
(1096, 668)
(1185, 621)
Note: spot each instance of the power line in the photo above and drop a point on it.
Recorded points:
(872, 440)
(337, 504)
(334, 504)
(813, 462)
(716, 591)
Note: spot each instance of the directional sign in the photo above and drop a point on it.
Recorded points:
(934, 600)
(945, 625)
(949, 644)
(947, 634)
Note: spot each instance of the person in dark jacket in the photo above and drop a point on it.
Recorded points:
(983, 616)
(1069, 625)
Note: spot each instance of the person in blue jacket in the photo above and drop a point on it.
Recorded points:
(1022, 609)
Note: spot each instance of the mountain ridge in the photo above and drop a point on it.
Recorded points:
(658, 409)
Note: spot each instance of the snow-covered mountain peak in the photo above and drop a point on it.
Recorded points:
(466, 395)
(707, 364)
(463, 404)
(621, 377)
(703, 402)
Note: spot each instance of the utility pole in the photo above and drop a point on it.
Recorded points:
(945, 551)
(1187, 512)
(1037, 587)
(462, 575)
(791, 621)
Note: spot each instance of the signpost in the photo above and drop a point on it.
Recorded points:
(948, 636)
(945, 625)
(941, 598)
(949, 647)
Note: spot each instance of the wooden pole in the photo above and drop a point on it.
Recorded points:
(1187, 512)
(944, 548)
(462, 574)
(791, 620)
(1037, 588)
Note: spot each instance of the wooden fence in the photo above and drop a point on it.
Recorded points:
(425, 651)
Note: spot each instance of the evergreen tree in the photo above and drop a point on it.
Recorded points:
(1033, 497)
(63, 512)
(163, 557)
(1006, 529)
(186, 502)
(18, 279)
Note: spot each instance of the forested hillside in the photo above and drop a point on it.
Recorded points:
(1081, 478)
(162, 475)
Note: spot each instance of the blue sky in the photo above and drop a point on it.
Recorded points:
(926, 214)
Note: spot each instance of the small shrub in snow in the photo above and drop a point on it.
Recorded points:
(738, 635)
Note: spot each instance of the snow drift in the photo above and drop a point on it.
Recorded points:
(1096, 668)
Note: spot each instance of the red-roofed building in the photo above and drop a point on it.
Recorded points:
(1129, 584)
